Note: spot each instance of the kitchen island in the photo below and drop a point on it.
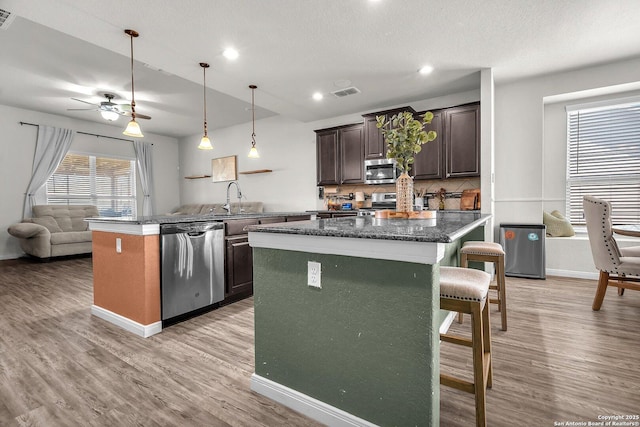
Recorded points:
(360, 346)
(127, 264)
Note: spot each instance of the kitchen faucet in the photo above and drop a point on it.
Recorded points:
(227, 206)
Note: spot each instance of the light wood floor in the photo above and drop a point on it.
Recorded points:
(60, 366)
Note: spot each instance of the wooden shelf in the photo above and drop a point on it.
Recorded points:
(197, 176)
(255, 171)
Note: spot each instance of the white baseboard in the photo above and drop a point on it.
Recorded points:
(446, 323)
(573, 274)
(312, 408)
(139, 329)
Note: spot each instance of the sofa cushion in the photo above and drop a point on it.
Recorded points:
(70, 237)
(68, 218)
(47, 221)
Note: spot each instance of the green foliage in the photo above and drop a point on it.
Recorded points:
(404, 136)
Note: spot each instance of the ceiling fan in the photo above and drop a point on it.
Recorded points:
(109, 110)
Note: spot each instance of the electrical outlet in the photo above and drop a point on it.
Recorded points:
(313, 274)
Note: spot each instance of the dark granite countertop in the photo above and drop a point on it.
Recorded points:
(175, 219)
(446, 228)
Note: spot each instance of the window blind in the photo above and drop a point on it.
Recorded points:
(106, 183)
(603, 160)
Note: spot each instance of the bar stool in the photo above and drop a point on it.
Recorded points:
(488, 252)
(465, 290)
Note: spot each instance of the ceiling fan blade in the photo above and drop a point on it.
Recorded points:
(138, 115)
(86, 102)
(82, 109)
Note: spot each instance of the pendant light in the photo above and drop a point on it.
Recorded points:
(253, 153)
(133, 129)
(205, 143)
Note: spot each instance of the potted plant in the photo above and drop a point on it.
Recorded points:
(404, 136)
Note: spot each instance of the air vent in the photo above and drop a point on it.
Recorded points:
(6, 18)
(346, 92)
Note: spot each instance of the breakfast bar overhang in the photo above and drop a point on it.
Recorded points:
(363, 347)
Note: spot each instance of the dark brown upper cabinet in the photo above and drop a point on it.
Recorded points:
(429, 162)
(327, 157)
(341, 151)
(340, 155)
(374, 146)
(350, 141)
(462, 141)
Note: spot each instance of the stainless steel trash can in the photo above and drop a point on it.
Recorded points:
(523, 245)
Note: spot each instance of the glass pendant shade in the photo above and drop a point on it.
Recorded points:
(133, 129)
(253, 153)
(205, 143)
(109, 115)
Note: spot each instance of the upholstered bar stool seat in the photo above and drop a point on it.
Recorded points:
(489, 252)
(465, 290)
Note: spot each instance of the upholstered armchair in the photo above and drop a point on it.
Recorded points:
(616, 264)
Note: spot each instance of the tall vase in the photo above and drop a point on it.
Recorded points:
(404, 193)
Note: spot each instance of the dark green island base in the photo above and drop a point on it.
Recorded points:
(364, 348)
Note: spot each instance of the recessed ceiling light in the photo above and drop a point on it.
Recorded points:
(427, 69)
(231, 53)
(318, 96)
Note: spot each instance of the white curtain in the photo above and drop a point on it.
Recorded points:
(51, 147)
(143, 159)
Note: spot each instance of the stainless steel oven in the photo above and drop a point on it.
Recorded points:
(380, 171)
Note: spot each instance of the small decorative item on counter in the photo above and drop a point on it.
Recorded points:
(359, 199)
(333, 204)
(441, 194)
(404, 193)
(404, 136)
(469, 200)
(419, 199)
(346, 206)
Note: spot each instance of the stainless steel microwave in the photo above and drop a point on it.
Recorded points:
(380, 171)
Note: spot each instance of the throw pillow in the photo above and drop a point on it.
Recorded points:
(557, 225)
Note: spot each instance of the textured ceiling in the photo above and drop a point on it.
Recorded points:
(58, 49)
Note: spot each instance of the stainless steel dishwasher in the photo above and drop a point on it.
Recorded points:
(192, 269)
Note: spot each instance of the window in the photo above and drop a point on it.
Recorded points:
(82, 179)
(603, 159)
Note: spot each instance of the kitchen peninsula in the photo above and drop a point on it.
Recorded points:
(347, 315)
(129, 262)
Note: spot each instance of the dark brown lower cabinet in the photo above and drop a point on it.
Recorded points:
(238, 260)
(238, 268)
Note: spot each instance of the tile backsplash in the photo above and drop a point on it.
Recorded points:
(453, 188)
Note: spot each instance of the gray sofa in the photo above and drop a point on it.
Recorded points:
(55, 231)
(216, 208)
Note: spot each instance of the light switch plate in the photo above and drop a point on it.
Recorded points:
(313, 274)
(118, 245)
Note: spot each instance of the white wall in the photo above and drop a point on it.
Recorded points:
(17, 146)
(530, 174)
(286, 146)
